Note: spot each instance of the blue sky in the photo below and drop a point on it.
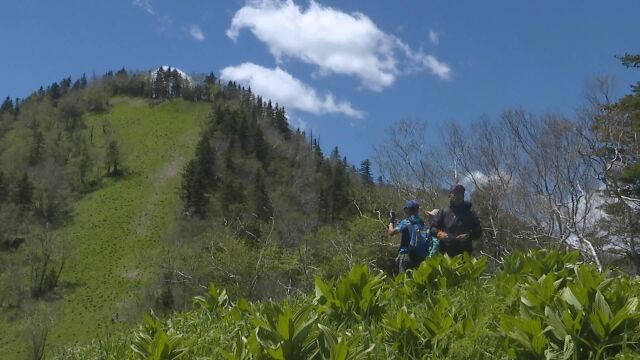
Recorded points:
(347, 69)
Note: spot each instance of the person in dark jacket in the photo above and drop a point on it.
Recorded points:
(456, 226)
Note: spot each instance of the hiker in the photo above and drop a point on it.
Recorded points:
(415, 242)
(456, 225)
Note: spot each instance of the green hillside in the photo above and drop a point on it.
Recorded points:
(118, 231)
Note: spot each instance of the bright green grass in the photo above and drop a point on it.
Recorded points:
(118, 234)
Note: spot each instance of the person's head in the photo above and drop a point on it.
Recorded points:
(411, 207)
(456, 194)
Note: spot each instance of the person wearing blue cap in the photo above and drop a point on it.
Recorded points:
(457, 225)
(416, 244)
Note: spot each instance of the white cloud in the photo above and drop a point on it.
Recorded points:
(146, 6)
(337, 42)
(281, 87)
(434, 37)
(196, 32)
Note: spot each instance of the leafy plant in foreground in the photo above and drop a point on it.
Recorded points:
(153, 343)
(357, 293)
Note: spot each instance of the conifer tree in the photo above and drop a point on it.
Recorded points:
(365, 172)
(205, 163)
(260, 199)
(112, 159)
(243, 134)
(7, 106)
(193, 191)
(4, 189)
(23, 193)
(37, 148)
(260, 145)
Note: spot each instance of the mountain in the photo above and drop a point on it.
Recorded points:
(128, 192)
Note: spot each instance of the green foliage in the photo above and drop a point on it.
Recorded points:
(213, 300)
(285, 334)
(565, 314)
(154, 343)
(444, 272)
(359, 293)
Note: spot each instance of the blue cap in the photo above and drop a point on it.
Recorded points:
(411, 204)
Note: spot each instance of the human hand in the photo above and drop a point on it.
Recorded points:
(462, 237)
(442, 235)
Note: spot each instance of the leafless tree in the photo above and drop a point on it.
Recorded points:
(47, 258)
(613, 146)
(410, 163)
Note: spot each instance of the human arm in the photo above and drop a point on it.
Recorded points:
(392, 229)
(437, 227)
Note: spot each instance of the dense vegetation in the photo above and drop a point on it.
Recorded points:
(538, 305)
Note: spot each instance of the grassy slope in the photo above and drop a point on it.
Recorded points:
(118, 232)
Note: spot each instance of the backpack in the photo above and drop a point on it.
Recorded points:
(421, 244)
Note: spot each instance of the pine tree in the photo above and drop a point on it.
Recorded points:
(4, 189)
(365, 172)
(260, 199)
(54, 91)
(23, 194)
(37, 148)
(7, 106)
(281, 123)
(243, 134)
(205, 163)
(260, 145)
(83, 81)
(335, 154)
(231, 194)
(193, 191)
(228, 157)
(112, 159)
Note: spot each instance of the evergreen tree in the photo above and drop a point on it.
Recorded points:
(7, 106)
(281, 123)
(205, 163)
(16, 109)
(193, 191)
(231, 195)
(260, 145)
(260, 199)
(83, 81)
(112, 159)
(37, 148)
(335, 154)
(4, 189)
(23, 193)
(243, 134)
(365, 172)
(228, 157)
(54, 91)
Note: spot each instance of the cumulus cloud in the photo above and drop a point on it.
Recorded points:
(196, 32)
(434, 37)
(281, 87)
(336, 42)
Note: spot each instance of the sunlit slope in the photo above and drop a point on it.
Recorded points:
(119, 232)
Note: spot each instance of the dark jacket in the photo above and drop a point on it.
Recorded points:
(456, 221)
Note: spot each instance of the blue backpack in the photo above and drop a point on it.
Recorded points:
(421, 244)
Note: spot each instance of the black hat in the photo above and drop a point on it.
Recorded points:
(457, 188)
